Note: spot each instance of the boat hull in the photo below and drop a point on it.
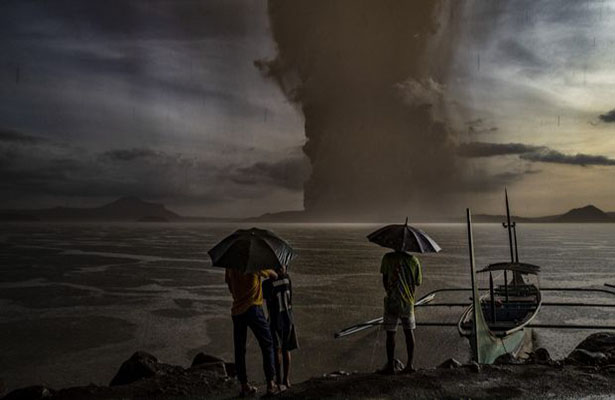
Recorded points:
(492, 347)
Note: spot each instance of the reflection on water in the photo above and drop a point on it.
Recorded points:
(77, 299)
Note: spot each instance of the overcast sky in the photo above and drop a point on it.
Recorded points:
(540, 75)
(160, 99)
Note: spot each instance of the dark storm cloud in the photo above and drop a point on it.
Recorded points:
(129, 154)
(530, 153)
(148, 173)
(485, 149)
(608, 117)
(289, 173)
(478, 126)
(11, 136)
(154, 19)
(144, 97)
(553, 156)
(129, 63)
(88, 177)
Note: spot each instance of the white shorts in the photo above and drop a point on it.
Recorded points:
(390, 322)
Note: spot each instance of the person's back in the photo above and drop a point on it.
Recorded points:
(245, 289)
(278, 295)
(401, 274)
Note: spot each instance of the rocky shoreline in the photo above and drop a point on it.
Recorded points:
(588, 372)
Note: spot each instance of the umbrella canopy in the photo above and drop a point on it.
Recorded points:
(251, 250)
(403, 237)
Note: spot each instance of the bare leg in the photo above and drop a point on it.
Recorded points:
(391, 350)
(410, 349)
(278, 366)
(286, 381)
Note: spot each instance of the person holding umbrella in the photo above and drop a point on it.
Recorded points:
(248, 256)
(401, 274)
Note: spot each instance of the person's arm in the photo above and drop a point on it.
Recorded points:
(227, 279)
(268, 273)
(290, 290)
(383, 271)
(419, 273)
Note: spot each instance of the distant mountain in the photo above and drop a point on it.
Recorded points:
(282, 216)
(588, 213)
(585, 214)
(122, 209)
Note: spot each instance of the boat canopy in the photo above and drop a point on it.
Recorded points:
(522, 268)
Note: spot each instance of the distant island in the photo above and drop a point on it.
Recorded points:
(587, 214)
(134, 209)
(123, 209)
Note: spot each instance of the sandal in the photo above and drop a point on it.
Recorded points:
(248, 391)
(271, 392)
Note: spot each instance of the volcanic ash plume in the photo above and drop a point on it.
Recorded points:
(369, 77)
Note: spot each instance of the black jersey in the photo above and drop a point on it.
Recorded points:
(278, 294)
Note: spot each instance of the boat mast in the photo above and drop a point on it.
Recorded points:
(514, 225)
(509, 226)
(475, 297)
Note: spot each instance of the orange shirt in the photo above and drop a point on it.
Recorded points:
(245, 288)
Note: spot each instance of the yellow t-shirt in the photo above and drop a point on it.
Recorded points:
(246, 289)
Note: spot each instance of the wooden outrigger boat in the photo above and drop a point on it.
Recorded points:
(496, 322)
(499, 321)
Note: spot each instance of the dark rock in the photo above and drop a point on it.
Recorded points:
(140, 365)
(451, 363)
(506, 359)
(540, 356)
(609, 368)
(602, 342)
(336, 374)
(216, 367)
(30, 393)
(585, 357)
(203, 358)
(206, 362)
(596, 349)
(231, 370)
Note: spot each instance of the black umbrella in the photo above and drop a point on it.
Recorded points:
(403, 237)
(251, 250)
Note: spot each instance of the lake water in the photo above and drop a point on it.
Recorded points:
(78, 299)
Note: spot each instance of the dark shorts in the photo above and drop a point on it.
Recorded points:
(284, 334)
